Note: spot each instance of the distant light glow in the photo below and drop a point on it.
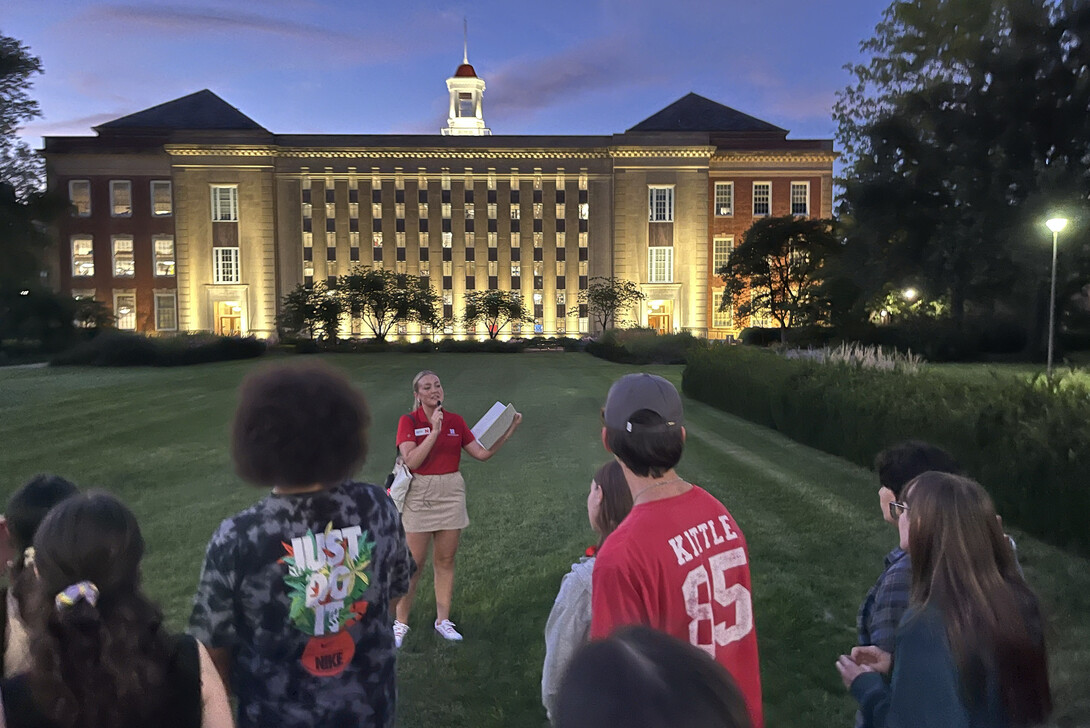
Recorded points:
(910, 294)
(1056, 224)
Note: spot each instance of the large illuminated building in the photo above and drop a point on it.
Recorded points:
(190, 216)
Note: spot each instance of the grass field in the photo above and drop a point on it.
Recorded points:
(157, 438)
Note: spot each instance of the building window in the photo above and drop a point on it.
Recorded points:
(660, 204)
(125, 310)
(660, 264)
(561, 209)
(124, 266)
(163, 247)
(161, 204)
(166, 311)
(79, 193)
(584, 211)
(800, 198)
(724, 199)
(721, 319)
(224, 203)
(83, 259)
(762, 199)
(120, 198)
(722, 247)
(225, 267)
(516, 212)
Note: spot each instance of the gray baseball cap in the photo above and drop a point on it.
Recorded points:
(634, 392)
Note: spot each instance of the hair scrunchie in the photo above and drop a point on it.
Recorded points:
(84, 590)
(28, 556)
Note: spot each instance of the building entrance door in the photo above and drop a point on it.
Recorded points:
(660, 322)
(228, 318)
(660, 316)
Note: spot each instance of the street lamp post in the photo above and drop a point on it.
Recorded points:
(1055, 224)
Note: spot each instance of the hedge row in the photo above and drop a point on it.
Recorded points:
(425, 346)
(120, 349)
(643, 346)
(1027, 441)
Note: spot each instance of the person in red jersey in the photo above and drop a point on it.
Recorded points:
(678, 562)
(430, 440)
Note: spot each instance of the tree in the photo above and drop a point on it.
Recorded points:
(607, 297)
(967, 122)
(313, 312)
(383, 299)
(779, 269)
(496, 309)
(24, 209)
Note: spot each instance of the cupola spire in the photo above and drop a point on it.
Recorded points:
(466, 93)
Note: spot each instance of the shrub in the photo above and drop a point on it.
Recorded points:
(489, 346)
(1027, 441)
(643, 346)
(121, 349)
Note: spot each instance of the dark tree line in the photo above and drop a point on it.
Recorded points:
(969, 125)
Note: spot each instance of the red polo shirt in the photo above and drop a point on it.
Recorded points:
(446, 453)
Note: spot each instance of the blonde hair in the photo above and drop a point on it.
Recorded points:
(416, 382)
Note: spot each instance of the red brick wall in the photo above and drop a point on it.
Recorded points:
(142, 226)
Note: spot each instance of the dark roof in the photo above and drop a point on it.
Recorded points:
(201, 110)
(465, 70)
(693, 112)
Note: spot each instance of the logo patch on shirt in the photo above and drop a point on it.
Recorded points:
(452, 432)
(328, 573)
(421, 431)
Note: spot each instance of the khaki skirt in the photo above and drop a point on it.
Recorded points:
(435, 503)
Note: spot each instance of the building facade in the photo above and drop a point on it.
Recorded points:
(190, 216)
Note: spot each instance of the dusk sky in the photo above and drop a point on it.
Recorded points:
(341, 66)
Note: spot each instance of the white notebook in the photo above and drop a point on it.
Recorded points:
(495, 422)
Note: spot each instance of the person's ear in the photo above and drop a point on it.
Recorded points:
(605, 440)
(683, 435)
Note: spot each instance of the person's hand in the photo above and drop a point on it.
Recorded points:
(437, 420)
(873, 657)
(516, 421)
(849, 669)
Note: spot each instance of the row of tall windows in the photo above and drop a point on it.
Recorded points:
(723, 205)
(122, 256)
(165, 303)
(121, 202)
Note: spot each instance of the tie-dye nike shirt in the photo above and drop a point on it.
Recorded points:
(298, 589)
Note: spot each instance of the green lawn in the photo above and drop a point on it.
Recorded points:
(158, 439)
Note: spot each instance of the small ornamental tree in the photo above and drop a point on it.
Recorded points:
(495, 309)
(383, 299)
(778, 270)
(607, 297)
(311, 312)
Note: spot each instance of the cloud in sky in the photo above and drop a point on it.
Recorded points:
(529, 85)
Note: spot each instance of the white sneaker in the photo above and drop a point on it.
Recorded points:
(446, 629)
(400, 630)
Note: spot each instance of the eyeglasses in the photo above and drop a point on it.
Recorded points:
(896, 508)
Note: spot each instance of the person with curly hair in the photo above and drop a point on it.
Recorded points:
(294, 596)
(100, 655)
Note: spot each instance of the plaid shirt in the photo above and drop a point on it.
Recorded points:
(886, 602)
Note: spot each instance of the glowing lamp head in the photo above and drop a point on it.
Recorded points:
(1056, 224)
(910, 294)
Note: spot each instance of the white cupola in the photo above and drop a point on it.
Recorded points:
(466, 92)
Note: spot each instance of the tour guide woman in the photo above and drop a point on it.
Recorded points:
(431, 441)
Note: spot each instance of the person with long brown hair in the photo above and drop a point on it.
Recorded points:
(101, 656)
(430, 440)
(568, 626)
(970, 649)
